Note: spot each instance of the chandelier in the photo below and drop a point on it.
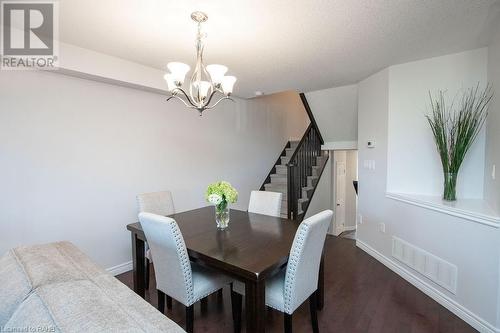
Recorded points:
(205, 82)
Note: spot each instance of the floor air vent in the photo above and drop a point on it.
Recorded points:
(434, 268)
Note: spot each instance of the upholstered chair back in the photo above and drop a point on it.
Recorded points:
(266, 203)
(159, 203)
(172, 265)
(301, 278)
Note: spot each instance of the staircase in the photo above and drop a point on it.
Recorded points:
(297, 170)
(278, 180)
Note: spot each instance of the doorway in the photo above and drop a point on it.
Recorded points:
(345, 201)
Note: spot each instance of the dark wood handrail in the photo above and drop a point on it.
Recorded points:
(300, 168)
(311, 116)
(299, 145)
(315, 187)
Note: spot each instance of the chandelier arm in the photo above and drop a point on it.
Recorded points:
(223, 98)
(210, 98)
(186, 95)
(183, 101)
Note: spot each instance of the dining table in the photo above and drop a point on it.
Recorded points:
(251, 249)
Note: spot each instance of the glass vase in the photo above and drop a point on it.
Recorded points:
(222, 216)
(450, 186)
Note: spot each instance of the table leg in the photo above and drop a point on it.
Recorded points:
(138, 260)
(255, 303)
(321, 284)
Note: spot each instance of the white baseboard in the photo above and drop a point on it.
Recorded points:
(121, 268)
(351, 228)
(466, 315)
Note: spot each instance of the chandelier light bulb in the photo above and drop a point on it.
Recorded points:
(228, 84)
(203, 88)
(170, 81)
(217, 73)
(179, 71)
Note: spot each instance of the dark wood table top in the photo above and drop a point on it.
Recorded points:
(254, 246)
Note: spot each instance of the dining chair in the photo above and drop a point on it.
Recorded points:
(176, 276)
(288, 289)
(265, 202)
(159, 203)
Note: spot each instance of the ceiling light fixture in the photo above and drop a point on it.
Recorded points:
(205, 82)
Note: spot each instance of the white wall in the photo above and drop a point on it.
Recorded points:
(472, 247)
(414, 164)
(336, 112)
(492, 186)
(74, 153)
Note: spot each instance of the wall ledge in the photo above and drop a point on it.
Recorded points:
(476, 210)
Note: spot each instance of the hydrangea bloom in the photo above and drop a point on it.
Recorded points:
(221, 193)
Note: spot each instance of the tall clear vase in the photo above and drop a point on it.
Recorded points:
(450, 186)
(222, 216)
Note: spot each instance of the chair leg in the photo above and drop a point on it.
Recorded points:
(189, 319)
(288, 323)
(146, 275)
(313, 307)
(169, 302)
(236, 304)
(161, 301)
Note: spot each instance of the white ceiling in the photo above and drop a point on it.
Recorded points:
(277, 45)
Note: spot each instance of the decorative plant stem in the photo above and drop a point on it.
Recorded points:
(455, 130)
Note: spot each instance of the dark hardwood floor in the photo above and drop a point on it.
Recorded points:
(361, 295)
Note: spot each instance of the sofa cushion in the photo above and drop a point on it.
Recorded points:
(55, 262)
(57, 287)
(14, 288)
(31, 316)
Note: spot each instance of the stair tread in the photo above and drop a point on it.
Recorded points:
(278, 175)
(276, 185)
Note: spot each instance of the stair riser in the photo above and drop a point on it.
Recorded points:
(285, 160)
(278, 180)
(311, 182)
(281, 170)
(320, 160)
(306, 193)
(289, 152)
(274, 189)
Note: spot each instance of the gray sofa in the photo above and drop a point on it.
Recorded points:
(57, 288)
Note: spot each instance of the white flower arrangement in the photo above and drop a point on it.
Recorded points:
(214, 199)
(220, 194)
